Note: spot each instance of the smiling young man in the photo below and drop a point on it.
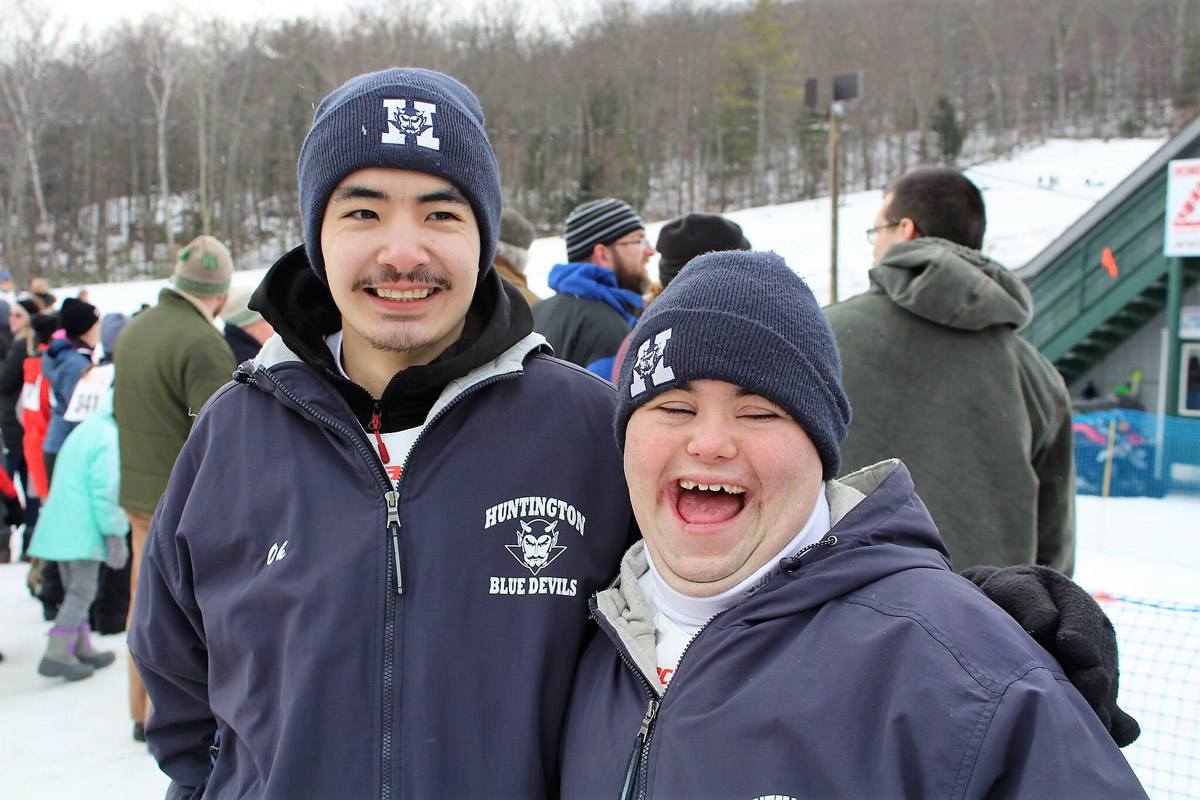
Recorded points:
(369, 574)
(780, 633)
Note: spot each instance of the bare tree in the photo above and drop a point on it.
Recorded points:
(1064, 19)
(162, 67)
(1179, 40)
(676, 106)
(30, 43)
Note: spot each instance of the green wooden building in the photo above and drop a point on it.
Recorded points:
(1102, 329)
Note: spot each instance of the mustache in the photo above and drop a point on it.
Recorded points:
(385, 275)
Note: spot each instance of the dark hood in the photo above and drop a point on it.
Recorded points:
(300, 308)
(59, 347)
(889, 531)
(952, 285)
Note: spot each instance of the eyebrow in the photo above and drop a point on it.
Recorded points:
(356, 192)
(448, 194)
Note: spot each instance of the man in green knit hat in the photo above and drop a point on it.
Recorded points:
(169, 359)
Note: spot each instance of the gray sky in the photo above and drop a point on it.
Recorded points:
(99, 14)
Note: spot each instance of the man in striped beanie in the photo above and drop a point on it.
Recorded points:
(600, 287)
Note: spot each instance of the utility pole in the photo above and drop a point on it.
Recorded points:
(847, 88)
(835, 113)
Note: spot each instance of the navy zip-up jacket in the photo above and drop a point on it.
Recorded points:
(865, 669)
(269, 606)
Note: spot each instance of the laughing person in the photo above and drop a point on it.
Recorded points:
(781, 633)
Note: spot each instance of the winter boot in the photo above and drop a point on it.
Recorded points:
(60, 660)
(88, 654)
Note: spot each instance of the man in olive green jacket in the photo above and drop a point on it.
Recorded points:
(169, 361)
(938, 376)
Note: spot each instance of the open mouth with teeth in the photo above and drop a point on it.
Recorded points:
(707, 504)
(406, 295)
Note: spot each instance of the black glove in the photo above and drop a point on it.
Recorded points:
(15, 512)
(1065, 620)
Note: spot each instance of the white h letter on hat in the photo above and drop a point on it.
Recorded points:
(419, 125)
(649, 363)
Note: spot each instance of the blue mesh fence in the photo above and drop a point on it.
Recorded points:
(1159, 644)
(1150, 455)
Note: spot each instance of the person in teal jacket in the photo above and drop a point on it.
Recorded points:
(81, 526)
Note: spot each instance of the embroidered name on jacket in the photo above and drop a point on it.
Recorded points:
(536, 526)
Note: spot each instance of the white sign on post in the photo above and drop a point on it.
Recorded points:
(1182, 236)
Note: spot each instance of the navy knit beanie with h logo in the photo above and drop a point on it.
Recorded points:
(746, 319)
(403, 118)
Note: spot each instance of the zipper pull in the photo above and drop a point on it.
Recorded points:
(632, 770)
(375, 423)
(393, 504)
(793, 563)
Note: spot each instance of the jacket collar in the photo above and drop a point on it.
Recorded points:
(189, 299)
(879, 527)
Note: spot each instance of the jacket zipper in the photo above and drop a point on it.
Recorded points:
(376, 422)
(392, 497)
(393, 506)
(393, 501)
(633, 770)
(637, 769)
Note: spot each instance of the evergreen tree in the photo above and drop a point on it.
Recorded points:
(950, 133)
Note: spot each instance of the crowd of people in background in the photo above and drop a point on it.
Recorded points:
(73, 509)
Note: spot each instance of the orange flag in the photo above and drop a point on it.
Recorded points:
(1108, 262)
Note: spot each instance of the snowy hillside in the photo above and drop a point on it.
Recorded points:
(1022, 219)
(73, 740)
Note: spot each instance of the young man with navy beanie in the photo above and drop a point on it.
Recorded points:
(369, 573)
(780, 632)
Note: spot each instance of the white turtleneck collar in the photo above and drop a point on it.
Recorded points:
(691, 613)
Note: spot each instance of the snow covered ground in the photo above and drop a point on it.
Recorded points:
(67, 740)
(61, 739)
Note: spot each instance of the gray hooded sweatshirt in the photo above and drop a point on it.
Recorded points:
(938, 377)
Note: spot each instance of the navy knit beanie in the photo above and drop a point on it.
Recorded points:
(746, 319)
(403, 118)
